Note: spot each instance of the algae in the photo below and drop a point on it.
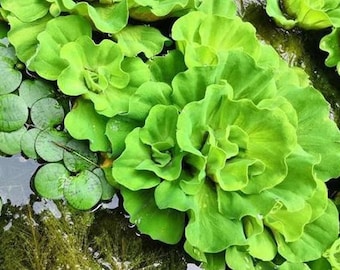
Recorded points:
(76, 239)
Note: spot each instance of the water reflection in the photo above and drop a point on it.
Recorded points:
(15, 175)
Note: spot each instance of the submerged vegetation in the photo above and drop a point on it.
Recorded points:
(211, 138)
(72, 239)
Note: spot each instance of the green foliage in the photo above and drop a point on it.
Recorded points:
(217, 141)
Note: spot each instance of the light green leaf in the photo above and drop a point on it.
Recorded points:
(316, 238)
(322, 142)
(225, 8)
(148, 95)
(47, 61)
(197, 33)
(124, 168)
(163, 8)
(23, 36)
(165, 225)
(207, 227)
(117, 129)
(137, 39)
(165, 68)
(237, 258)
(27, 10)
(330, 44)
(191, 85)
(49, 180)
(83, 123)
(109, 17)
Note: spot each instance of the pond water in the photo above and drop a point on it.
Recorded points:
(23, 210)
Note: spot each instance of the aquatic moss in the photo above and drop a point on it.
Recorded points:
(78, 240)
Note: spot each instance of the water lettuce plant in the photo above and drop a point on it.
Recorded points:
(208, 134)
(307, 14)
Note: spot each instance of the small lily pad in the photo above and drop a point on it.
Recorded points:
(49, 144)
(108, 190)
(27, 143)
(47, 112)
(49, 180)
(33, 90)
(10, 141)
(13, 112)
(78, 157)
(10, 77)
(83, 191)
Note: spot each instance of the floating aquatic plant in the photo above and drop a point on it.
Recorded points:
(216, 141)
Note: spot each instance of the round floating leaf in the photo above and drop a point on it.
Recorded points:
(83, 191)
(13, 112)
(108, 190)
(32, 91)
(49, 144)
(27, 143)
(47, 112)
(78, 157)
(10, 77)
(10, 141)
(49, 180)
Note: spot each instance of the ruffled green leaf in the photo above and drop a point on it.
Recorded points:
(24, 36)
(158, 8)
(254, 166)
(46, 61)
(226, 8)
(165, 68)
(330, 44)
(304, 13)
(316, 238)
(148, 95)
(333, 254)
(84, 123)
(27, 10)
(201, 37)
(164, 225)
(124, 168)
(108, 16)
(207, 227)
(323, 143)
(191, 85)
(237, 258)
(141, 39)
(117, 129)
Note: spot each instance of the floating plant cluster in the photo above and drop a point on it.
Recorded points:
(208, 135)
